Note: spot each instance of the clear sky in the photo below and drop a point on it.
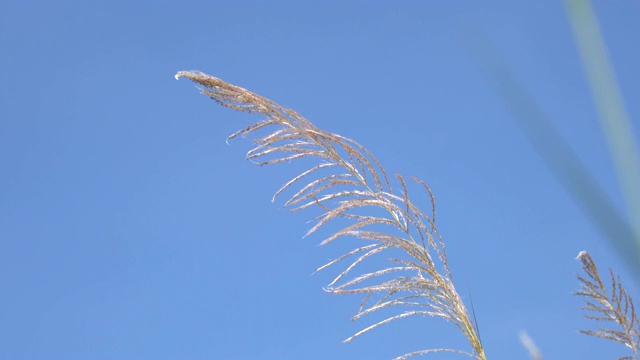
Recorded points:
(130, 230)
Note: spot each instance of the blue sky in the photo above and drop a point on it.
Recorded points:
(130, 230)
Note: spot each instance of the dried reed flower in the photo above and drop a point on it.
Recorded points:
(618, 308)
(530, 346)
(420, 282)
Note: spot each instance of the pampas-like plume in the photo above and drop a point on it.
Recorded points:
(617, 309)
(423, 285)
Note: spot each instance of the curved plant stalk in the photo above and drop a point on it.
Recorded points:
(613, 116)
(617, 308)
(419, 282)
(551, 145)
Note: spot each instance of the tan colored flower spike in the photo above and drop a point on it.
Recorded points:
(349, 183)
(617, 308)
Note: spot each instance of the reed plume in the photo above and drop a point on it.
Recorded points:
(617, 309)
(347, 182)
